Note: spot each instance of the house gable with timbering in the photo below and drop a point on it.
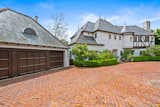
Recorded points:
(103, 35)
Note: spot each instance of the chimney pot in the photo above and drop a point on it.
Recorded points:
(147, 25)
(36, 18)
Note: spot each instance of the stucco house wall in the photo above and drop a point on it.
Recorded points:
(105, 35)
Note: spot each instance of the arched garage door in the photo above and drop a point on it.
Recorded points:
(14, 62)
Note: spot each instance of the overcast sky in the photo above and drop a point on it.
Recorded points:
(77, 12)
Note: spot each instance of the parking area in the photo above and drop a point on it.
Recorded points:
(123, 85)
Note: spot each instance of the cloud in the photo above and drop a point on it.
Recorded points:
(89, 17)
(125, 15)
(46, 5)
(128, 16)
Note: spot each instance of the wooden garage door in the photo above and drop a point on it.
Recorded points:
(56, 59)
(31, 61)
(14, 62)
(4, 63)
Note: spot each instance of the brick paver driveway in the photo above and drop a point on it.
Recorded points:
(123, 85)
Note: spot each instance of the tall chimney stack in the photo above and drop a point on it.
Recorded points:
(36, 18)
(147, 25)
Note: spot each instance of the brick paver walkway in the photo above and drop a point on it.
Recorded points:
(123, 85)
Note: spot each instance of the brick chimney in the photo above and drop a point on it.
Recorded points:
(36, 18)
(147, 25)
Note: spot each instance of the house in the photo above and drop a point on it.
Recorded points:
(26, 46)
(103, 35)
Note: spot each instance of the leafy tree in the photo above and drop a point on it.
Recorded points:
(80, 52)
(157, 37)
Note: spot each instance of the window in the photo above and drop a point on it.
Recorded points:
(95, 36)
(110, 36)
(139, 39)
(135, 39)
(130, 38)
(29, 31)
(152, 38)
(147, 39)
(115, 37)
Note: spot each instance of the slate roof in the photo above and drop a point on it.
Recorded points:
(137, 30)
(12, 25)
(104, 25)
(87, 40)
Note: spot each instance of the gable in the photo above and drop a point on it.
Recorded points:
(13, 24)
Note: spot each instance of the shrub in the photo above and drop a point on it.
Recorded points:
(126, 54)
(145, 58)
(95, 63)
(92, 55)
(106, 55)
(152, 51)
(90, 58)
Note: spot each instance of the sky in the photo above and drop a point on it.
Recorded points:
(78, 12)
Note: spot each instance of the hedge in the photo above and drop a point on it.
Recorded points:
(95, 63)
(145, 58)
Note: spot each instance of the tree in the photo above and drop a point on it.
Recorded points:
(126, 54)
(58, 27)
(80, 52)
(157, 37)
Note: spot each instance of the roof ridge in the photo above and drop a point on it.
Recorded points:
(3, 9)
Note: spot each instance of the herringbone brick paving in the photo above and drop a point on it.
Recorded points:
(123, 85)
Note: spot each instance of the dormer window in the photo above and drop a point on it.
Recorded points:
(29, 31)
(115, 37)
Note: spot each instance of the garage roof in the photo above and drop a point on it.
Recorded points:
(13, 24)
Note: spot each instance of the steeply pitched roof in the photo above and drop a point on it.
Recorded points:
(104, 25)
(13, 24)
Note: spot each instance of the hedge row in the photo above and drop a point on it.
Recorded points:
(95, 63)
(145, 58)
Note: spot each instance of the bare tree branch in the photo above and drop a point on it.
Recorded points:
(59, 27)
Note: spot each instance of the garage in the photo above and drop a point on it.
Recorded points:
(14, 62)
(27, 47)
